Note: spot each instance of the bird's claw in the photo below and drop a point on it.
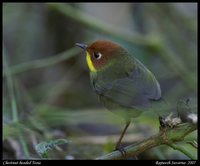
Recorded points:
(121, 150)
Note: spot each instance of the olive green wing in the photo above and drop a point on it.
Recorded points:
(134, 90)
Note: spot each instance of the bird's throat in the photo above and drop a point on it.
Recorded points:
(89, 62)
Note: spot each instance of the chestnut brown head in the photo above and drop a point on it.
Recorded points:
(100, 54)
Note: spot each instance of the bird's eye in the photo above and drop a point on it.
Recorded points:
(97, 55)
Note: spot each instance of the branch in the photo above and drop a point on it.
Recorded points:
(166, 136)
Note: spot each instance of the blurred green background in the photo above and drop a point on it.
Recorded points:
(46, 87)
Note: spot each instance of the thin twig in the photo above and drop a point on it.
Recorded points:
(193, 144)
(10, 88)
(46, 62)
(97, 25)
(10, 83)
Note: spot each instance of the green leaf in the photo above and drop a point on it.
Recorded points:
(44, 147)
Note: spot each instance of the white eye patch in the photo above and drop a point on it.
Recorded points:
(97, 55)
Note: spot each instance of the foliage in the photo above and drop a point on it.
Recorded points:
(43, 147)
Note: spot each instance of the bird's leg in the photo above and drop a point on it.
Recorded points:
(118, 145)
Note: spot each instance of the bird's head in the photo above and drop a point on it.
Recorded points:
(101, 54)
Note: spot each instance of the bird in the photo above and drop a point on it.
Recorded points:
(125, 86)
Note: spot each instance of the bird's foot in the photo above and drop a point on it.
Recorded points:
(123, 152)
(121, 149)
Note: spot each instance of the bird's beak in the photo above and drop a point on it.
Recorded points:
(83, 46)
